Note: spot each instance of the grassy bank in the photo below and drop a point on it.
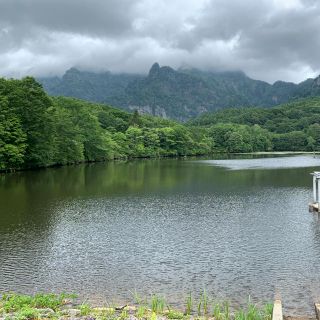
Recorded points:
(65, 306)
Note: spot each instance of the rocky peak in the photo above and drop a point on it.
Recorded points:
(154, 70)
(164, 73)
(72, 70)
(71, 73)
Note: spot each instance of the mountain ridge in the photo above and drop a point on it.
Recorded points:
(178, 94)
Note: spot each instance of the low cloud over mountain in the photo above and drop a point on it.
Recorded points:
(268, 40)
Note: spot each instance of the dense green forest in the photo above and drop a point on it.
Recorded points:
(289, 127)
(38, 131)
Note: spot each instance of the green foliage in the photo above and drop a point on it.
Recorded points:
(27, 313)
(69, 147)
(141, 311)
(268, 309)
(136, 296)
(174, 315)
(135, 119)
(14, 302)
(12, 138)
(291, 141)
(189, 305)
(85, 309)
(157, 304)
(199, 306)
(38, 131)
(313, 133)
(217, 312)
(153, 316)
(123, 315)
(33, 108)
(23, 307)
(205, 302)
(253, 313)
(290, 127)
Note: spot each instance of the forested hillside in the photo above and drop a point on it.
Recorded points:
(288, 127)
(177, 94)
(38, 131)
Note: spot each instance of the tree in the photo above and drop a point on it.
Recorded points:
(33, 107)
(68, 141)
(235, 143)
(135, 119)
(314, 132)
(291, 141)
(167, 141)
(135, 140)
(12, 138)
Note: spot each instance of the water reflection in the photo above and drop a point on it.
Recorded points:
(169, 226)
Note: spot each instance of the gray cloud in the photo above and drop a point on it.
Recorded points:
(90, 17)
(267, 39)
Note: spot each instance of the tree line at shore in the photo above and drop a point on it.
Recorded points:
(38, 131)
(288, 127)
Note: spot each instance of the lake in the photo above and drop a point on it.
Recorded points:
(235, 227)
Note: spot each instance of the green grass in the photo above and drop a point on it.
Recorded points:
(252, 312)
(157, 304)
(189, 305)
(136, 297)
(123, 315)
(175, 315)
(28, 313)
(141, 311)
(205, 302)
(85, 309)
(13, 302)
(153, 316)
(268, 309)
(217, 312)
(23, 307)
(199, 307)
(226, 310)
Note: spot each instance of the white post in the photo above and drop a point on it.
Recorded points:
(317, 308)
(314, 189)
(277, 310)
(318, 190)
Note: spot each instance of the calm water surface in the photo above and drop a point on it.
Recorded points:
(234, 227)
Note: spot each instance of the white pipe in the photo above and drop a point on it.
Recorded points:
(314, 189)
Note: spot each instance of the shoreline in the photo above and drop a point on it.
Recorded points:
(56, 166)
(278, 152)
(68, 307)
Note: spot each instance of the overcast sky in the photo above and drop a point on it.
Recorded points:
(267, 39)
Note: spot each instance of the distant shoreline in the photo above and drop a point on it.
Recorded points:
(159, 158)
(278, 152)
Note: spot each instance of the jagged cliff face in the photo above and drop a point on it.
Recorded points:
(147, 109)
(178, 94)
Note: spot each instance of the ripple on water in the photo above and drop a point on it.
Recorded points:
(258, 241)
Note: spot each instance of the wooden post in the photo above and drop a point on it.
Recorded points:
(277, 310)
